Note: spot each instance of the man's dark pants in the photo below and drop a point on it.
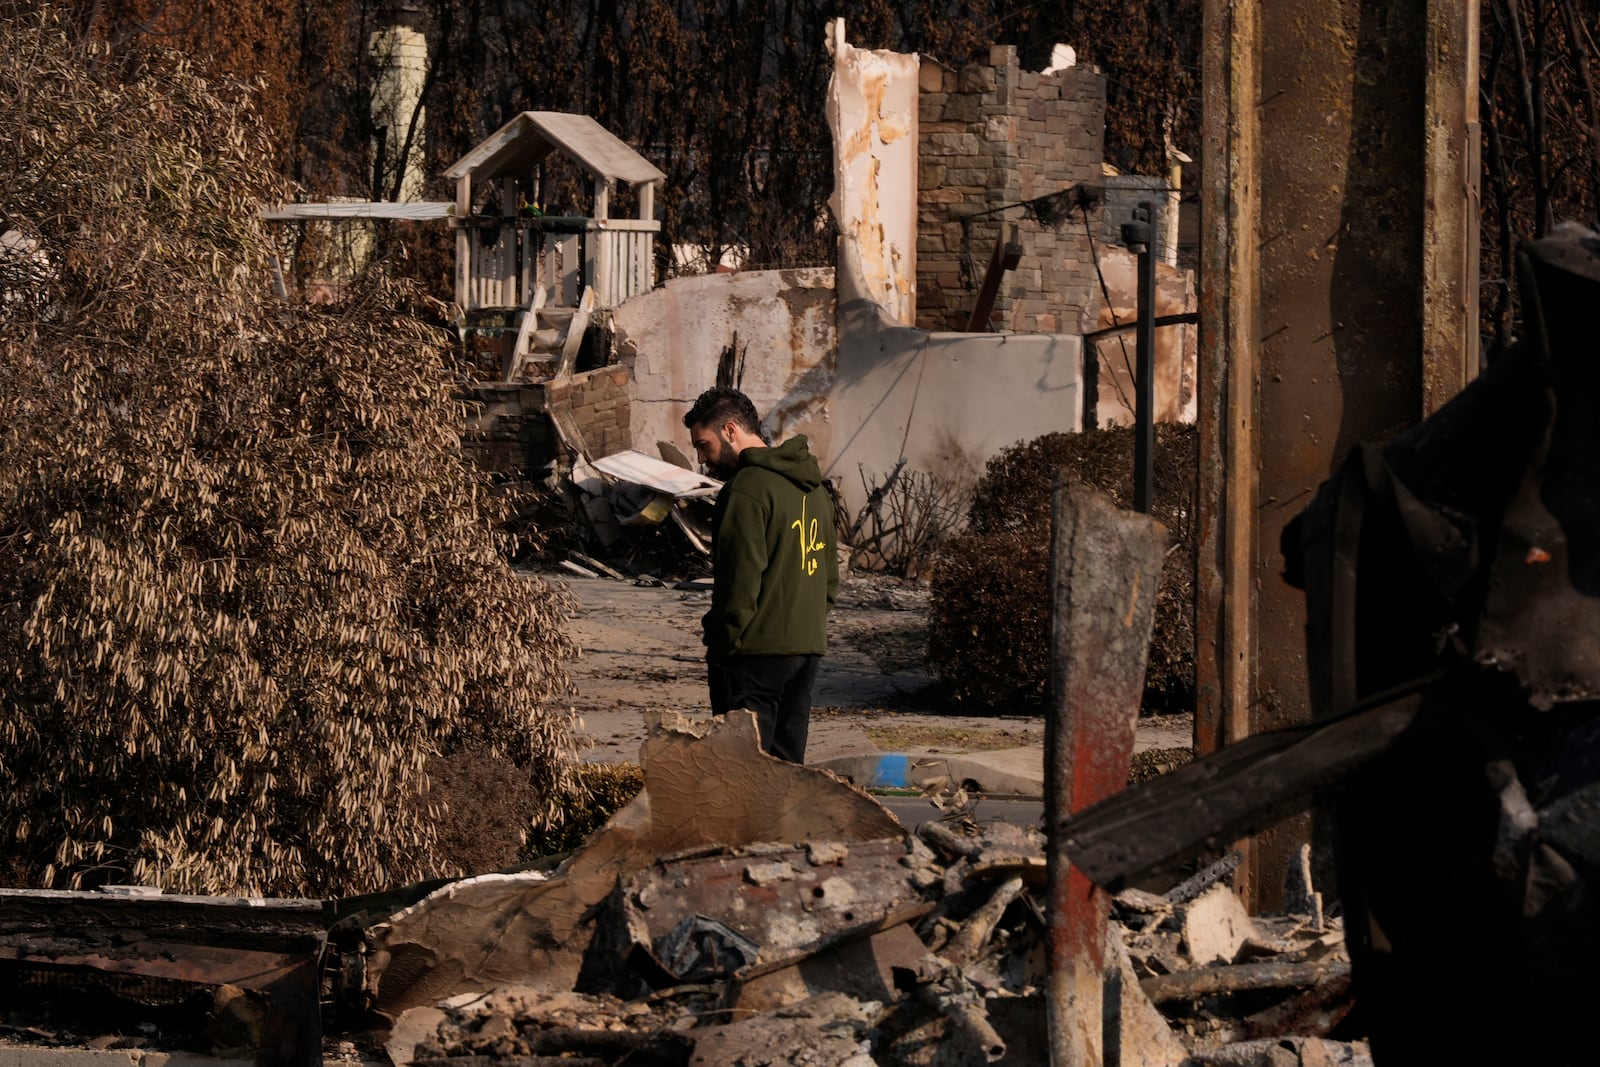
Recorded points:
(777, 689)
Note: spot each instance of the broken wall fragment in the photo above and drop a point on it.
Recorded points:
(715, 788)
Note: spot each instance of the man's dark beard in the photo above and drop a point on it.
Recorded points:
(725, 462)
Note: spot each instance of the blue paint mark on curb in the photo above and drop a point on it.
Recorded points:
(892, 772)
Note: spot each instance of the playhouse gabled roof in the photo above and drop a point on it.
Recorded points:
(527, 139)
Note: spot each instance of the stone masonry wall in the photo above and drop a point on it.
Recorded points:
(597, 402)
(994, 134)
(506, 433)
(512, 427)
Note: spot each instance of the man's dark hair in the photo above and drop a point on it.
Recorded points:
(719, 405)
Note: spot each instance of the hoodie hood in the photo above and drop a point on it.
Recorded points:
(792, 459)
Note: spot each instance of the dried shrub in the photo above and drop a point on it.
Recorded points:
(598, 791)
(907, 517)
(989, 627)
(249, 590)
(488, 805)
(990, 619)
(492, 817)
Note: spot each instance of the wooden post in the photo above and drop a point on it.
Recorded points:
(603, 248)
(1450, 204)
(1337, 307)
(1007, 251)
(463, 242)
(1105, 569)
(509, 297)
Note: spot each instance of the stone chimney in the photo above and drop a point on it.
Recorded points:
(993, 135)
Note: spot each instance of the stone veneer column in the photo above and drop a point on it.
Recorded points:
(993, 134)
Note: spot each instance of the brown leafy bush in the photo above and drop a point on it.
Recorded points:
(989, 628)
(488, 805)
(247, 589)
(603, 789)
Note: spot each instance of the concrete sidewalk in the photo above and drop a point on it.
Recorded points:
(1007, 772)
(1017, 772)
(842, 745)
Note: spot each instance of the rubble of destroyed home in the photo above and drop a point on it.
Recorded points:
(746, 910)
(769, 914)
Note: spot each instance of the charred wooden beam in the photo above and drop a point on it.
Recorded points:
(267, 925)
(115, 950)
(1007, 252)
(969, 941)
(1313, 1013)
(1237, 978)
(1233, 792)
(949, 841)
(946, 990)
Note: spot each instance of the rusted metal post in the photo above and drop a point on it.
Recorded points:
(1105, 567)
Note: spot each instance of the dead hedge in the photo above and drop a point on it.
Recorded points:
(989, 627)
(249, 591)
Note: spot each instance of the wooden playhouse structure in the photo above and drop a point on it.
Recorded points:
(531, 282)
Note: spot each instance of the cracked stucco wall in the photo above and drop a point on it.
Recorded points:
(872, 111)
(784, 322)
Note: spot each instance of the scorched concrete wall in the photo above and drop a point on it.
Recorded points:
(945, 402)
(783, 321)
(872, 111)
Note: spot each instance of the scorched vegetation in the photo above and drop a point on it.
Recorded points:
(248, 588)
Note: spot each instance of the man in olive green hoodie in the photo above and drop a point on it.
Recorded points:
(776, 570)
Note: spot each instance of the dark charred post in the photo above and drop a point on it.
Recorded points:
(1237, 790)
(1338, 305)
(1105, 566)
(1007, 252)
(1137, 236)
(1091, 385)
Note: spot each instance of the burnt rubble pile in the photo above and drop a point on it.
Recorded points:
(926, 950)
(650, 517)
(866, 947)
(740, 910)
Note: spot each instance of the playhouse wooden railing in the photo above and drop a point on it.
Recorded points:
(507, 260)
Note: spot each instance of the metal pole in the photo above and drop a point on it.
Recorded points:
(1091, 385)
(1138, 235)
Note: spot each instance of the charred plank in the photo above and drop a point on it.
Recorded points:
(1237, 978)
